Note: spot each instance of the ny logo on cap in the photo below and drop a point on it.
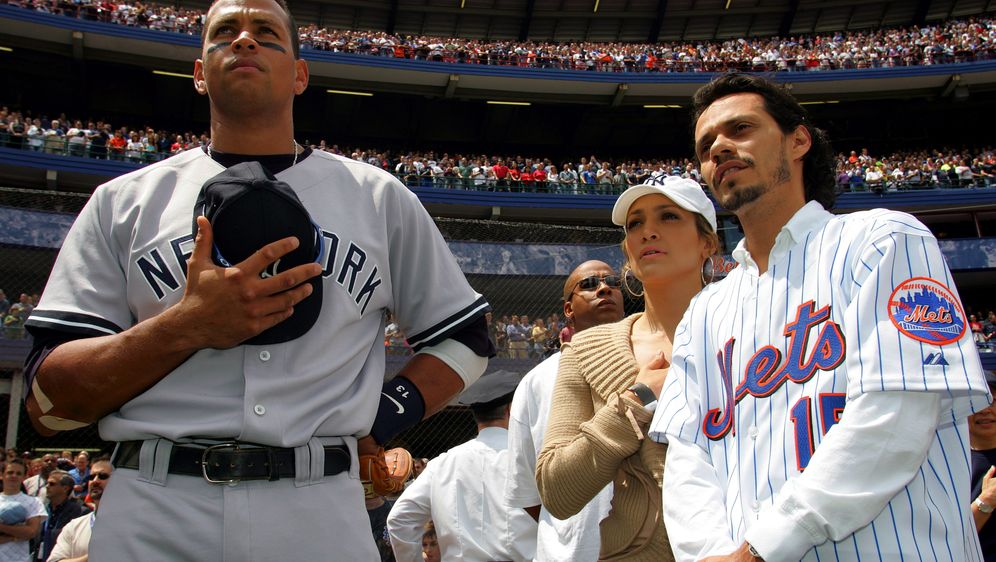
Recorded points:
(270, 270)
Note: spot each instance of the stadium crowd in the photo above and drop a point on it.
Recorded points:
(516, 336)
(857, 170)
(957, 40)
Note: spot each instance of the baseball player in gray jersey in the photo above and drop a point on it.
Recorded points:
(231, 450)
(815, 407)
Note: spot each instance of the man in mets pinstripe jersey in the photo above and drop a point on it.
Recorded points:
(236, 446)
(816, 404)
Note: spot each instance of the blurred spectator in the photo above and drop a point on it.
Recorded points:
(80, 472)
(73, 544)
(18, 535)
(54, 138)
(537, 339)
(35, 485)
(518, 336)
(62, 508)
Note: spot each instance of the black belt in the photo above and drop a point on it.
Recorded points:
(226, 463)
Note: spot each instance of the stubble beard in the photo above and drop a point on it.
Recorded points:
(737, 198)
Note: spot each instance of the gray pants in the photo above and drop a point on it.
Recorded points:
(152, 516)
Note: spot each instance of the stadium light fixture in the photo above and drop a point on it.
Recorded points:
(662, 106)
(173, 74)
(349, 93)
(494, 102)
(6, 49)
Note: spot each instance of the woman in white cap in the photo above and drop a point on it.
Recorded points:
(610, 375)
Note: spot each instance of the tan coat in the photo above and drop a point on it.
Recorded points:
(595, 436)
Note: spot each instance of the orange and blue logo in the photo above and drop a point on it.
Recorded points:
(926, 310)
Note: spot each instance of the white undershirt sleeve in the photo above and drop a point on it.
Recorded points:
(863, 462)
(697, 506)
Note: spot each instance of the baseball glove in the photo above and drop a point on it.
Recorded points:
(385, 473)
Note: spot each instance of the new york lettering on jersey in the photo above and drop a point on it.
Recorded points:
(346, 269)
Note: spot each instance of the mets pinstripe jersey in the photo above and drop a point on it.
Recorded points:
(764, 366)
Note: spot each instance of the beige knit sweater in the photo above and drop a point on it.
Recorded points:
(595, 436)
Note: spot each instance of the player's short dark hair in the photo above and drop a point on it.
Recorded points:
(818, 165)
(291, 28)
(491, 411)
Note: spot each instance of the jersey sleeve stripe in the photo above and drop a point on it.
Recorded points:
(443, 329)
(72, 322)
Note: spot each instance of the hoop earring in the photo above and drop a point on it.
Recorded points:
(710, 266)
(627, 273)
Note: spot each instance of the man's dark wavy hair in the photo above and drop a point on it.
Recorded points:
(818, 165)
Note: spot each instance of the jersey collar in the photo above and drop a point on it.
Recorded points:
(811, 217)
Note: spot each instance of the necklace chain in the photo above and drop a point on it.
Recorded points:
(294, 147)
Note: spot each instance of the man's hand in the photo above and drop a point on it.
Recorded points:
(223, 307)
(741, 554)
(382, 473)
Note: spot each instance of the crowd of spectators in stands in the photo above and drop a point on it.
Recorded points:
(15, 313)
(587, 174)
(92, 138)
(957, 40)
(983, 327)
(518, 337)
(915, 169)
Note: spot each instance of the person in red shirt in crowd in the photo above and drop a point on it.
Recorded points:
(514, 177)
(501, 174)
(117, 145)
(526, 177)
(177, 146)
(539, 176)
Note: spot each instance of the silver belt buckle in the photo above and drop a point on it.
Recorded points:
(204, 461)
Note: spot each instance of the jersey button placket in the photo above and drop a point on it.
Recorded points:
(259, 409)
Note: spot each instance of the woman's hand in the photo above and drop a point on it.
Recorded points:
(652, 374)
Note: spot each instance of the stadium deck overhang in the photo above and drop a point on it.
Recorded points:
(174, 52)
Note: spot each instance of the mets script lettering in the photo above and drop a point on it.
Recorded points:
(922, 313)
(767, 370)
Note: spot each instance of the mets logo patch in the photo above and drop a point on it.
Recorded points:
(927, 311)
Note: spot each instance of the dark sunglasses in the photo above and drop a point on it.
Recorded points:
(98, 475)
(592, 282)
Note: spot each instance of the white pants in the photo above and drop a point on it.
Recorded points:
(172, 518)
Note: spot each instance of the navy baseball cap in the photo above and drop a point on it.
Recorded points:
(249, 208)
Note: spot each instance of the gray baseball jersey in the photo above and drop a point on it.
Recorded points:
(124, 261)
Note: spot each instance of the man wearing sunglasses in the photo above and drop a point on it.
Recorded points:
(592, 296)
(74, 540)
